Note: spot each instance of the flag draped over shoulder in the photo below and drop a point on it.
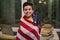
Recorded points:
(28, 30)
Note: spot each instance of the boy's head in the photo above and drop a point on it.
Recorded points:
(28, 4)
(28, 9)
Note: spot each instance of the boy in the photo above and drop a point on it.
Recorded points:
(28, 30)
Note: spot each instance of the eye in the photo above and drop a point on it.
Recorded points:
(29, 9)
(25, 9)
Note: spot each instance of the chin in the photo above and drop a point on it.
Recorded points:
(28, 16)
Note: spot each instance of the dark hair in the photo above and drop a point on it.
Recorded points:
(27, 3)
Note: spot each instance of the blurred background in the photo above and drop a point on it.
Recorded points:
(47, 11)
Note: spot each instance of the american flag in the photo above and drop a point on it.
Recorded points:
(28, 30)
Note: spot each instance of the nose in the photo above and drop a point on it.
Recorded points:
(28, 11)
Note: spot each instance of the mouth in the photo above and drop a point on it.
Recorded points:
(28, 13)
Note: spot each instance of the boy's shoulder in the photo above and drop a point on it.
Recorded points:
(34, 16)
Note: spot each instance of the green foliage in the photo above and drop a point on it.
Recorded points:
(18, 9)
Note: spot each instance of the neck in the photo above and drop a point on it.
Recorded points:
(29, 18)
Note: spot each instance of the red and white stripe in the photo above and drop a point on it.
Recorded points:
(27, 31)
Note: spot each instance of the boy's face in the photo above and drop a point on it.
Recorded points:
(28, 11)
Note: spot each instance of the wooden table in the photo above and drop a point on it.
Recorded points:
(55, 37)
(7, 37)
